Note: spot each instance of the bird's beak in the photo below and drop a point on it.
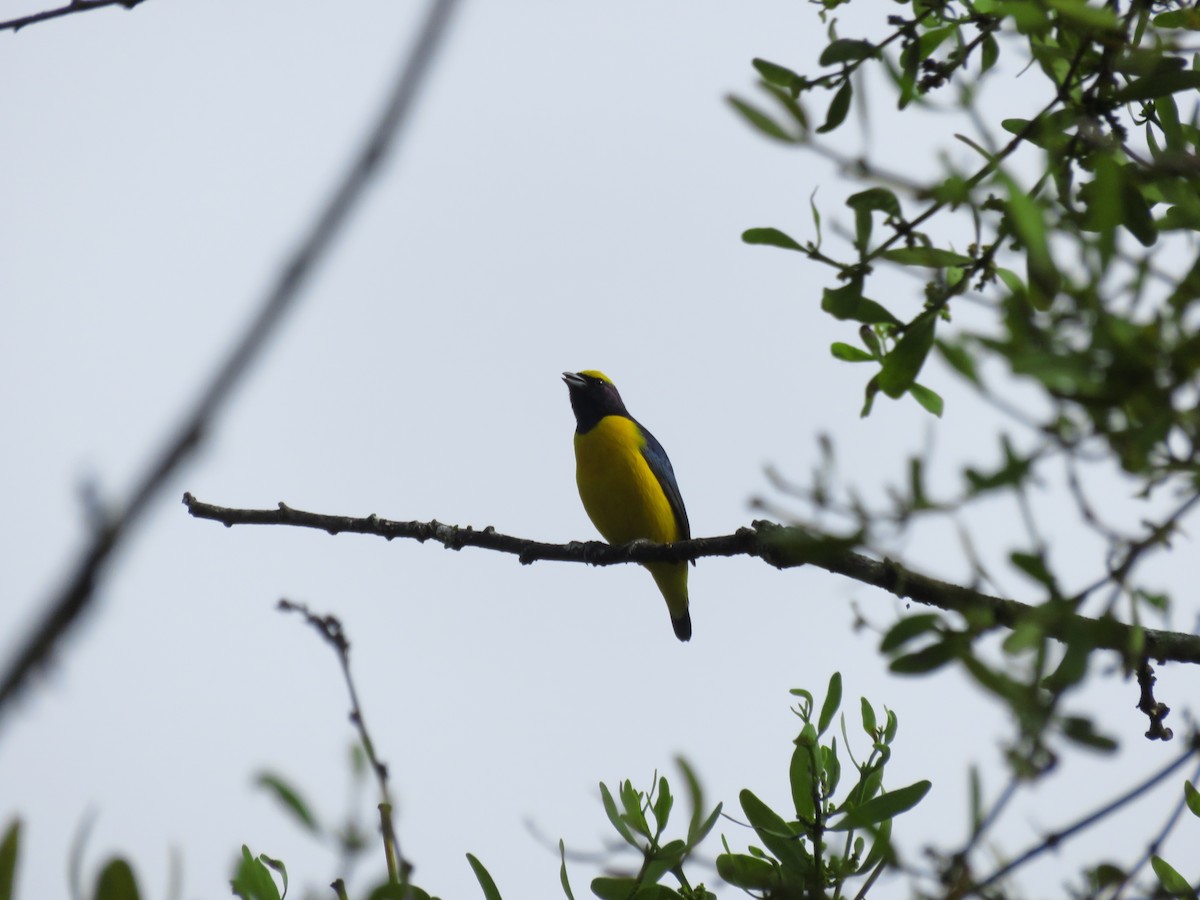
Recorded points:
(573, 379)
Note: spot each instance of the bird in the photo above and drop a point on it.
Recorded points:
(627, 484)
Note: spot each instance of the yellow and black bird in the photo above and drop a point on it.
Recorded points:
(627, 484)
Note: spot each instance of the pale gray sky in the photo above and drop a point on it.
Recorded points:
(571, 196)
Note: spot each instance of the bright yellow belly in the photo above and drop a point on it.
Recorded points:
(621, 494)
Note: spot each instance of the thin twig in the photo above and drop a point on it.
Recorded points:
(75, 6)
(64, 609)
(1054, 840)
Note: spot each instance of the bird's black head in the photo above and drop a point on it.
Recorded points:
(593, 396)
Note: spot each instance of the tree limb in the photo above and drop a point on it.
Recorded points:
(75, 6)
(781, 546)
(65, 607)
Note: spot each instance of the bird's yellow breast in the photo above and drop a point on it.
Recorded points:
(621, 494)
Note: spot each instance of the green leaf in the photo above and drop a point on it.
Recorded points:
(1034, 565)
(838, 107)
(770, 237)
(607, 888)
(773, 73)
(748, 873)
(773, 831)
(760, 120)
(1025, 218)
(1192, 797)
(908, 628)
(931, 400)
(614, 816)
(632, 814)
(868, 717)
(1083, 732)
(864, 203)
(8, 858)
(800, 776)
(253, 880)
(885, 806)
(1174, 883)
(116, 882)
(662, 804)
(845, 50)
(1078, 12)
(848, 303)
(490, 891)
(562, 870)
(960, 359)
(926, 659)
(847, 353)
(901, 366)
(290, 799)
(1158, 84)
(833, 699)
(930, 257)
(989, 52)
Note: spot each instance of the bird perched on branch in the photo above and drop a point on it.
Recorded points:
(627, 484)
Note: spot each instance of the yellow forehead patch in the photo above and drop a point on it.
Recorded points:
(592, 373)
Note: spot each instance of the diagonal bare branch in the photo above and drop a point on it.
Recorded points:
(64, 608)
(75, 6)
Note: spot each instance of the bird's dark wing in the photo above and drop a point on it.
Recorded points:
(660, 465)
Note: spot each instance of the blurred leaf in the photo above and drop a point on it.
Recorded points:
(931, 400)
(1174, 883)
(1158, 84)
(290, 798)
(848, 353)
(1034, 565)
(908, 628)
(1026, 219)
(490, 891)
(1192, 797)
(885, 806)
(1078, 12)
(833, 699)
(901, 366)
(846, 50)
(960, 359)
(1083, 732)
(774, 73)
(989, 52)
(838, 107)
(562, 871)
(116, 882)
(760, 120)
(930, 257)
(8, 858)
(927, 659)
(770, 237)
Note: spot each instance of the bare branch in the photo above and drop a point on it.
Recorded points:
(75, 6)
(781, 546)
(65, 608)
